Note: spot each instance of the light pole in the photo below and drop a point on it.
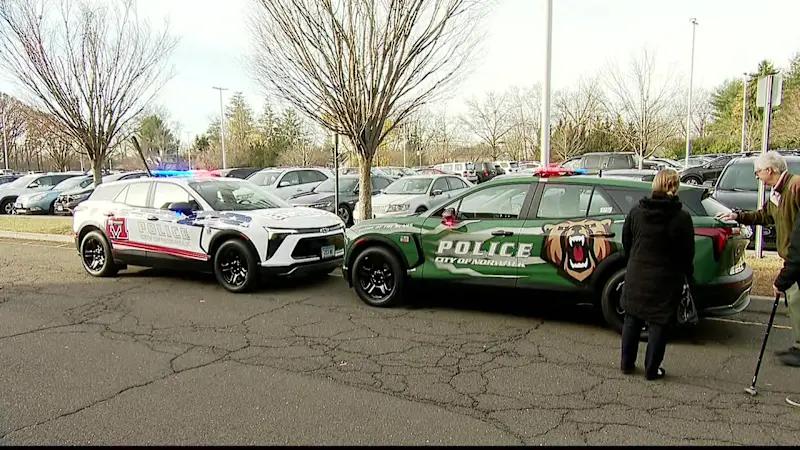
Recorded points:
(689, 105)
(221, 124)
(545, 143)
(5, 139)
(744, 114)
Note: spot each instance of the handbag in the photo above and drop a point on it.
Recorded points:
(687, 311)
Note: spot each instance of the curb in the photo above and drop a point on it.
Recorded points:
(35, 236)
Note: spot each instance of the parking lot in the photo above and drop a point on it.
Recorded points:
(162, 358)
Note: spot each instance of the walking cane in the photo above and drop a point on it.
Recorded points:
(752, 389)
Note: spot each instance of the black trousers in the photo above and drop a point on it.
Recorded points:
(656, 345)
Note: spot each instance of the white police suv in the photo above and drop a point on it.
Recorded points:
(230, 227)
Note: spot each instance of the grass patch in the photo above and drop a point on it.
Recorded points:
(764, 272)
(39, 225)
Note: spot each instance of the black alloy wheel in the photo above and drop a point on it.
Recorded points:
(611, 303)
(96, 255)
(235, 266)
(378, 277)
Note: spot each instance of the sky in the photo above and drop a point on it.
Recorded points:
(587, 35)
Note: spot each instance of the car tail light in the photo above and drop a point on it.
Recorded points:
(720, 237)
(486, 173)
(465, 173)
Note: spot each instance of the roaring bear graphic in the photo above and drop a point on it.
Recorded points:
(577, 247)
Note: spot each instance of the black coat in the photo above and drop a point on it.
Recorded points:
(658, 239)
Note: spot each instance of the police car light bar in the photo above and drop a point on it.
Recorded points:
(183, 173)
(546, 172)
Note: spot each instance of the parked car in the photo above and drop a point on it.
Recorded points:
(463, 169)
(485, 171)
(29, 184)
(322, 196)
(395, 172)
(507, 166)
(66, 201)
(225, 226)
(236, 172)
(8, 178)
(737, 187)
(286, 182)
(414, 194)
(44, 202)
(563, 234)
(708, 171)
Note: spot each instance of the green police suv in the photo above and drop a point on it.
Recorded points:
(555, 229)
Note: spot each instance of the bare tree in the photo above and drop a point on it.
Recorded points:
(15, 112)
(526, 116)
(642, 104)
(576, 111)
(354, 66)
(47, 139)
(93, 66)
(491, 120)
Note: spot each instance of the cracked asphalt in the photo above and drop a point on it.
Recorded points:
(162, 358)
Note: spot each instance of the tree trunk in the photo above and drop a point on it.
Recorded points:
(365, 188)
(97, 167)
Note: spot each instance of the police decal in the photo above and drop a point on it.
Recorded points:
(117, 228)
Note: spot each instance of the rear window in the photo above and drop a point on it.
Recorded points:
(619, 162)
(470, 166)
(513, 165)
(626, 199)
(592, 162)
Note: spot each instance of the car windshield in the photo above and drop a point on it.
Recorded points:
(21, 182)
(265, 178)
(231, 195)
(409, 186)
(345, 185)
(740, 176)
(69, 183)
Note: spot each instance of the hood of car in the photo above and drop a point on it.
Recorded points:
(45, 195)
(393, 199)
(292, 218)
(79, 190)
(311, 198)
(21, 191)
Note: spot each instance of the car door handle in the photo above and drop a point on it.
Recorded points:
(152, 218)
(606, 235)
(502, 233)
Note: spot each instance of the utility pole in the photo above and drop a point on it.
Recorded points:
(189, 149)
(545, 150)
(689, 103)
(221, 124)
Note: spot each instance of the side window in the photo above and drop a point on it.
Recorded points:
(440, 184)
(167, 193)
(134, 195)
(44, 181)
(456, 183)
(600, 205)
(564, 201)
(290, 179)
(86, 182)
(320, 176)
(496, 202)
(59, 178)
(307, 176)
(626, 199)
(379, 183)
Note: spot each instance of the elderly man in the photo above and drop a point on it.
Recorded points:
(779, 210)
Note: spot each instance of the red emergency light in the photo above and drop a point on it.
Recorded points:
(547, 172)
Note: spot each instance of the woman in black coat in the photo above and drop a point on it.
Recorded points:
(658, 239)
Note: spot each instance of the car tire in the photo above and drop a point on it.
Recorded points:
(692, 180)
(346, 214)
(236, 267)
(610, 305)
(6, 207)
(377, 268)
(96, 255)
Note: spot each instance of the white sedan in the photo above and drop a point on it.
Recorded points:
(414, 194)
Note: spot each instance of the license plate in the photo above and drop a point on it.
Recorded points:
(328, 251)
(59, 208)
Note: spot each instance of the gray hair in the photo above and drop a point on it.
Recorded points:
(770, 160)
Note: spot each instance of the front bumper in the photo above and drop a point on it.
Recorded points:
(302, 269)
(724, 296)
(20, 208)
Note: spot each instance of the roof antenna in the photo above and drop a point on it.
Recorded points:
(141, 155)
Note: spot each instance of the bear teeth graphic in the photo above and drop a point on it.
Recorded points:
(578, 253)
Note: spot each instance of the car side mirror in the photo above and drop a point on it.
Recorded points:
(449, 216)
(710, 183)
(436, 192)
(33, 185)
(185, 208)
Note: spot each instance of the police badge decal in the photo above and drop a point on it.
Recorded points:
(117, 228)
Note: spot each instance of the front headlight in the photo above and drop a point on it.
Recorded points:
(36, 197)
(396, 208)
(275, 239)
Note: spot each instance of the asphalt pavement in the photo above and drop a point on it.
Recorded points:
(154, 357)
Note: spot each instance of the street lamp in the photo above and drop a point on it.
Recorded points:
(221, 124)
(545, 133)
(5, 138)
(689, 106)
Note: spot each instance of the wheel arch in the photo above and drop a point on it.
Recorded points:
(605, 270)
(227, 235)
(88, 229)
(373, 241)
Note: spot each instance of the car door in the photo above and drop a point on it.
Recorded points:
(438, 192)
(126, 222)
(172, 238)
(457, 185)
(571, 228)
(289, 185)
(480, 244)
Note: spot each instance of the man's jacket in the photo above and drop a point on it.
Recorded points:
(783, 216)
(790, 274)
